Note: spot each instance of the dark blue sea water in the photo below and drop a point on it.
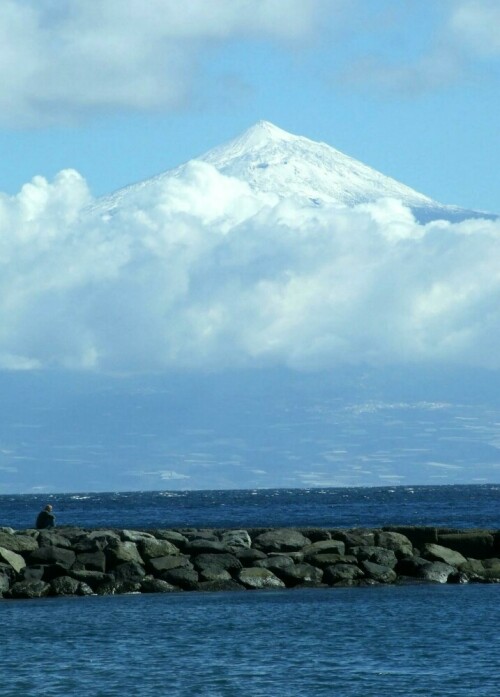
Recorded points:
(418, 640)
(427, 640)
(452, 506)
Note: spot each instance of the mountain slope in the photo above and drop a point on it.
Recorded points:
(270, 160)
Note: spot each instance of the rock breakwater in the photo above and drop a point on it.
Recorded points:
(76, 561)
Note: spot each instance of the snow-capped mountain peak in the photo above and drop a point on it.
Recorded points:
(272, 161)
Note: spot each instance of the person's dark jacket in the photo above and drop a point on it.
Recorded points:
(45, 520)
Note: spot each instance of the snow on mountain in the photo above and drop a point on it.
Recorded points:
(272, 161)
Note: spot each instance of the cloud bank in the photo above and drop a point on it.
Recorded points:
(197, 272)
(63, 61)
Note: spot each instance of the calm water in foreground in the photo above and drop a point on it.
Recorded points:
(407, 640)
(414, 640)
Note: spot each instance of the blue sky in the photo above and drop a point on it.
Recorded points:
(209, 335)
(123, 90)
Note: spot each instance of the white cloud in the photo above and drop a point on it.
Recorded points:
(197, 272)
(61, 61)
(475, 23)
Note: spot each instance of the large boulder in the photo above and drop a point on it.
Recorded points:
(28, 589)
(93, 579)
(49, 538)
(379, 572)
(173, 536)
(151, 548)
(65, 585)
(439, 553)
(214, 574)
(301, 573)
(226, 562)
(92, 561)
(14, 560)
(156, 585)
(324, 546)
(118, 552)
(184, 577)
(376, 555)
(130, 571)
(325, 559)
(135, 536)
(396, 541)
(436, 571)
(342, 573)
(53, 555)
(275, 563)
(159, 564)
(354, 538)
(17, 543)
(202, 545)
(236, 539)
(249, 556)
(281, 540)
(256, 578)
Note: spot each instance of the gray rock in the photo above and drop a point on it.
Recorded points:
(151, 548)
(439, 553)
(64, 585)
(28, 589)
(301, 573)
(105, 536)
(379, 572)
(275, 563)
(316, 534)
(84, 589)
(214, 574)
(92, 561)
(248, 556)
(354, 538)
(159, 564)
(32, 573)
(156, 585)
(255, 578)
(17, 543)
(281, 540)
(322, 561)
(52, 555)
(224, 561)
(436, 571)
(130, 571)
(324, 546)
(410, 566)
(118, 552)
(93, 579)
(340, 573)
(49, 538)
(377, 555)
(236, 539)
(184, 578)
(396, 541)
(201, 545)
(16, 561)
(176, 538)
(135, 536)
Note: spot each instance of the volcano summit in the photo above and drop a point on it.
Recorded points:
(273, 161)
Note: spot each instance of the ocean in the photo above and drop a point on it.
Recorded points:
(401, 640)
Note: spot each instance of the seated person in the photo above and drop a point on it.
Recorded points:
(46, 519)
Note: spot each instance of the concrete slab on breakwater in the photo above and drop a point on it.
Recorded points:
(77, 561)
